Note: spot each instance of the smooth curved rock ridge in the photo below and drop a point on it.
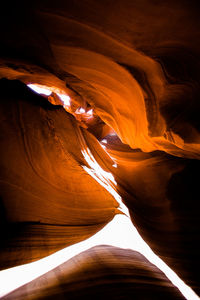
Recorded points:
(89, 57)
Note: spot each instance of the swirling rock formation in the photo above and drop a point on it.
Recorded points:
(136, 64)
(42, 180)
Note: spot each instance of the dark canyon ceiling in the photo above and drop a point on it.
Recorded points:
(135, 64)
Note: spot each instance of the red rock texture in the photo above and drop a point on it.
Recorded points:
(136, 63)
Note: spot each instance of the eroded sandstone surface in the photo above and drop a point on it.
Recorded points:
(136, 65)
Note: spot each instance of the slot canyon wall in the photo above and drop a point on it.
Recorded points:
(136, 64)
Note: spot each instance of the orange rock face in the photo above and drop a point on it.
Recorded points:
(42, 179)
(136, 65)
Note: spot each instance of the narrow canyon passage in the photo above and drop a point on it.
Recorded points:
(99, 133)
(119, 232)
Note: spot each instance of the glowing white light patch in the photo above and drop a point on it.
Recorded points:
(40, 89)
(104, 141)
(103, 146)
(45, 90)
(112, 133)
(65, 98)
(90, 112)
(114, 165)
(106, 179)
(80, 110)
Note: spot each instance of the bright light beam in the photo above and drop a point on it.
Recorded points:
(112, 234)
(13, 278)
(104, 178)
(129, 237)
(90, 112)
(65, 98)
(40, 89)
(120, 232)
(80, 110)
(46, 90)
(104, 141)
